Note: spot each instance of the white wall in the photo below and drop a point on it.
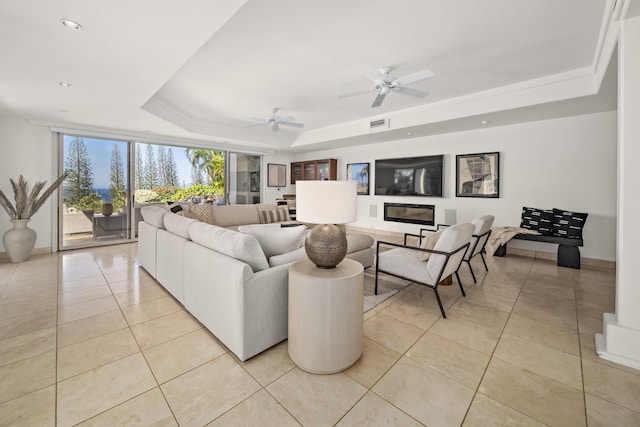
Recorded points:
(567, 163)
(27, 150)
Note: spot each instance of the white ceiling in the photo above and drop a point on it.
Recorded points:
(199, 70)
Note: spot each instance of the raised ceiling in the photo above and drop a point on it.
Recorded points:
(200, 70)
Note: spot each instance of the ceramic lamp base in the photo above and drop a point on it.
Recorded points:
(326, 245)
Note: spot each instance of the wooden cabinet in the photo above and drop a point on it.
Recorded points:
(314, 170)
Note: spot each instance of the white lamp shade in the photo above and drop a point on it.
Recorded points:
(326, 202)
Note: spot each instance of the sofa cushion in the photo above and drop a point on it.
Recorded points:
(229, 215)
(243, 247)
(429, 242)
(358, 241)
(568, 224)
(154, 215)
(537, 220)
(178, 225)
(288, 257)
(201, 212)
(276, 240)
(268, 216)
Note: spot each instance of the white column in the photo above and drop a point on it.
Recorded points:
(620, 340)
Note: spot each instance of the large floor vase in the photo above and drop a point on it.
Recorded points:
(19, 241)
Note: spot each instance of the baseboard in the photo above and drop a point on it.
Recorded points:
(37, 251)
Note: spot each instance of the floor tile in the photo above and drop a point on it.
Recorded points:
(372, 411)
(85, 309)
(565, 340)
(612, 384)
(456, 361)
(175, 357)
(392, 333)
(536, 396)
(205, 393)
(316, 399)
(561, 317)
(165, 328)
(147, 409)
(270, 365)
(27, 375)
(83, 294)
(418, 308)
(138, 296)
(375, 361)
(90, 327)
(470, 334)
(28, 345)
(37, 408)
(488, 317)
(149, 310)
(28, 323)
(486, 412)
(259, 409)
(540, 359)
(424, 394)
(88, 394)
(602, 413)
(95, 352)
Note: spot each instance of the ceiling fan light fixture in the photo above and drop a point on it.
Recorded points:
(72, 25)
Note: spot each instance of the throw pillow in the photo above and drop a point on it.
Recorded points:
(537, 220)
(568, 224)
(274, 215)
(275, 240)
(203, 213)
(429, 242)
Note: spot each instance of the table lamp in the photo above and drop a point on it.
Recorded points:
(326, 203)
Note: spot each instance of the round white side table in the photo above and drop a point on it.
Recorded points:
(325, 316)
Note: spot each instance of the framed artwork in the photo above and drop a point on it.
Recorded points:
(276, 175)
(359, 172)
(254, 182)
(477, 175)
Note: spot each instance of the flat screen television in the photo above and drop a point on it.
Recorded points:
(409, 176)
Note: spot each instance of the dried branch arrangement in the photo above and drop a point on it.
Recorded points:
(27, 204)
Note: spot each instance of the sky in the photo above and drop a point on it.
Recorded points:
(100, 154)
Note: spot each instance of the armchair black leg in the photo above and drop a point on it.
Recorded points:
(460, 284)
(439, 302)
(484, 261)
(471, 270)
(376, 281)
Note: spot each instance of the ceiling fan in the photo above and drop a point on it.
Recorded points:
(276, 121)
(387, 83)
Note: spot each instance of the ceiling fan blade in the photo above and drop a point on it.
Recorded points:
(275, 127)
(359, 92)
(292, 124)
(373, 77)
(411, 92)
(378, 100)
(414, 77)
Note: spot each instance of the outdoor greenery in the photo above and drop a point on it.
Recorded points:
(79, 182)
(156, 176)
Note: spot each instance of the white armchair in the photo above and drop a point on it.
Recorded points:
(479, 241)
(444, 260)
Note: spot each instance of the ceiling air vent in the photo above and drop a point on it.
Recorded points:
(379, 124)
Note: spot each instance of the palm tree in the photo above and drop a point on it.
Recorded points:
(211, 163)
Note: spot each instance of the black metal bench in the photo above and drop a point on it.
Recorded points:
(568, 251)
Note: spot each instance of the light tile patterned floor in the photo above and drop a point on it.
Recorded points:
(88, 338)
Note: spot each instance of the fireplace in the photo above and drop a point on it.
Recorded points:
(413, 214)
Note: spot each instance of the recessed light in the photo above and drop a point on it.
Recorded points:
(409, 133)
(72, 25)
(65, 84)
(484, 122)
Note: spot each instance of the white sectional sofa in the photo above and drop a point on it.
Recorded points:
(223, 277)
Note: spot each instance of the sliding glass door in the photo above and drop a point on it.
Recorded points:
(95, 208)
